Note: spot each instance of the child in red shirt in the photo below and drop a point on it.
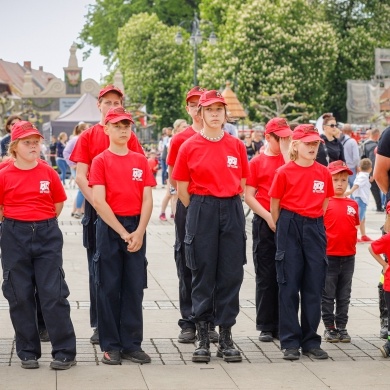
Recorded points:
(299, 195)
(377, 248)
(121, 182)
(263, 167)
(153, 163)
(31, 198)
(341, 221)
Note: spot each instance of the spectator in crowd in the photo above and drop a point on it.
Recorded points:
(7, 138)
(351, 152)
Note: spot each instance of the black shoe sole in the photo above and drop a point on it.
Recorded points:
(266, 339)
(310, 355)
(229, 359)
(111, 362)
(185, 341)
(201, 359)
(55, 366)
(134, 360)
(30, 366)
(332, 341)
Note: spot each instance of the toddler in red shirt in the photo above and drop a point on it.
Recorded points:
(153, 163)
(299, 195)
(377, 248)
(341, 221)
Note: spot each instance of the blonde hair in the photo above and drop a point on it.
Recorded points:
(177, 124)
(12, 148)
(365, 164)
(292, 151)
(62, 135)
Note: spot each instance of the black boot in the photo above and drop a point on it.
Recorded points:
(382, 313)
(226, 347)
(202, 351)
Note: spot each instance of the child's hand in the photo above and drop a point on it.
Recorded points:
(347, 193)
(135, 241)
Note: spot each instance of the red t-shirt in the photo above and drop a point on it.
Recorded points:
(340, 219)
(94, 141)
(212, 168)
(30, 195)
(382, 247)
(302, 190)
(262, 169)
(175, 143)
(153, 164)
(125, 178)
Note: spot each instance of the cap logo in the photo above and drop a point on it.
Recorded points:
(217, 94)
(119, 110)
(281, 123)
(27, 126)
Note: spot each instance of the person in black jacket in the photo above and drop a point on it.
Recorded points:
(332, 149)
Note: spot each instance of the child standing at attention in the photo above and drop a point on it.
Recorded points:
(341, 220)
(121, 182)
(31, 198)
(299, 195)
(263, 167)
(361, 189)
(377, 248)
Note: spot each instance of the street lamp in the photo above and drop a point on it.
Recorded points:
(195, 40)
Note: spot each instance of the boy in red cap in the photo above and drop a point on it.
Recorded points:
(299, 193)
(187, 332)
(92, 142)
(31, 198)
(341, 221)
(211, 170)
(121, 182)
(263, 167)
(377, 248)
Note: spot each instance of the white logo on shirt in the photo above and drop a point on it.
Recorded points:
(232, 162)
(318, 186)
(137, 174)
(350, 210)
(44, 187)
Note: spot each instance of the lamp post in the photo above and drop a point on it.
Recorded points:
(195, 40)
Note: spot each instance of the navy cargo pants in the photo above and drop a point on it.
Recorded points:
(301, 265)
(32, 259)
(215, 252)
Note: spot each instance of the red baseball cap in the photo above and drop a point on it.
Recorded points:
(23, 129)
(196, 91)
(306, 133)
(279, 126)
(210, 97)
(117, 114)
(339, 166)
(110, 88)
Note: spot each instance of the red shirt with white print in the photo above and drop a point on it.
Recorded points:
(125, 178)
(212, 168)
(263, 169)
(176, 141)
(382, 247)
(94, 141)
(30, 195)
(302, 190)
(340, 220)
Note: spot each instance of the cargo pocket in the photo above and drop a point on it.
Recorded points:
(255, 246)
(64, 289)
(8, 288)
(96, 268)
(146, 273)
(178, 255)
(279, 260)
(190, 251)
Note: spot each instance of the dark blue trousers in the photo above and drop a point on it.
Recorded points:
(120, 277)
(215, 252)
(337, 290)
(267, 290)
(32, 260)
(89, 242)
(183, 272)
(301, 265)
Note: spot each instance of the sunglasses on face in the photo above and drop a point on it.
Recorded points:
(332, 126)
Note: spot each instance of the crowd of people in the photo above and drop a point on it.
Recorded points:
(308, 190)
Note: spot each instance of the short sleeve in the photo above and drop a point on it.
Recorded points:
(97, 172)
(384, 143)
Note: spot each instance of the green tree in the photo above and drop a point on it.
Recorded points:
(155, 69)
(273, 47)
(106, 17)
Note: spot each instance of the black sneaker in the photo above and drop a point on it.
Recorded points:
(331, 335)
(344, 336)
(266, 336)
(29, 362)
(62, 363)
(316, 353)
(44, 335)
(291, 354)
(213, 334)
(187, 336)
(140, 357)
(112, 357)
(95, 337)
(385, 349)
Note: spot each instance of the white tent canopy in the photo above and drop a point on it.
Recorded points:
(84, 110)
